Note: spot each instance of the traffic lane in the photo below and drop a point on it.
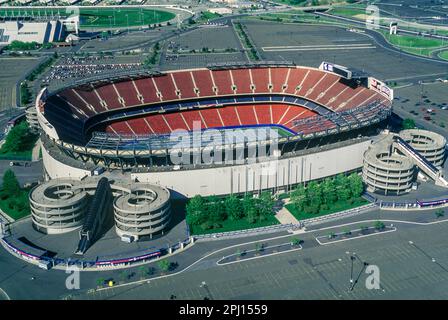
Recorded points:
(29, 174)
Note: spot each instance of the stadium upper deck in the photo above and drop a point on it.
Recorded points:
(221, 98)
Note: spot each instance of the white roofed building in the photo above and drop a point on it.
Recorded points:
(40, 32)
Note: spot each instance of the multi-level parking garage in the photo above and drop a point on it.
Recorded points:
(61, 205)
(390, 162)
(385, 170)
(143, 212)
(58, 206)
(429, 144)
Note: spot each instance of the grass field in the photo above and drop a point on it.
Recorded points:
(99, 17)
(17, 207)
(414, 44)
(304, 3)
(336, 207)
(350, 12)
(444, 55)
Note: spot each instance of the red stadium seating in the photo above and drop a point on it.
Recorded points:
(223, 82)
(319, 88)
(127, 91)
(138, 126)
(204, 82)
(241, 79)
(176, 121)
(193, 119)
(326, 89)
(229, 116)
(70, 97)
(263, 113)
(147, 89)
(260, 76)
(295, 79)
(246, 114)
(243, 115)
(311, 80)
(91, 98)
(278, 77)
(109, 95)
(166, 87)
(212, 118)
(185, 84)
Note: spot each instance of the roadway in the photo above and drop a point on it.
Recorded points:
(30, 174)
(315, 272)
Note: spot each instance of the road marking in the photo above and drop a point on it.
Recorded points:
(357, 237)
(264, 240)
(2, 292)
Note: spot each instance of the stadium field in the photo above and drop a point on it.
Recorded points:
(107, 17)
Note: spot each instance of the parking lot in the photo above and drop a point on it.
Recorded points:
(426, 103)
(414, 270)
(336, 44)
(11, 71)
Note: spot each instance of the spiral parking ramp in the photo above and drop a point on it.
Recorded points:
(61, 205)
(142, 212)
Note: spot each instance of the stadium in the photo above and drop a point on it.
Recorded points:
(319, 121)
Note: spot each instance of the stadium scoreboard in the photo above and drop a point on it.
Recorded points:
(337, 69)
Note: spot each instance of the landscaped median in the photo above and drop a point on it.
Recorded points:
(261, 251)
(417, 45)
(364, 231)
(443, 55)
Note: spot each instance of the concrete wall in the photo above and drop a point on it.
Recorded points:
(238, 178)
(56, 169)
(242, 178)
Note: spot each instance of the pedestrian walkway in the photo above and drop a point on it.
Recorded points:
(286, 217)
(36, 151)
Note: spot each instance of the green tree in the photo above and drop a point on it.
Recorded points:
(248, 204)
(164, 265)
(100, 281)
(342, 187)
(252, 215)
(234, 208)
(356, 185)
(299, 198)
(19, 138)
(408, 124)
(196, 213)
(11, 187)
(379, 225)
(314, 192)
(216, 211)
(440, 213)
(329, 191)
(265, 204)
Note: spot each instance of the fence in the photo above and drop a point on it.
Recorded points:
(98, 264)
(247, 232)
(338, 215)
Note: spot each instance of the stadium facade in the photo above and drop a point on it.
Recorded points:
(288, 124)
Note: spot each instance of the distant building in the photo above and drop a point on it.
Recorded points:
(40, 32)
